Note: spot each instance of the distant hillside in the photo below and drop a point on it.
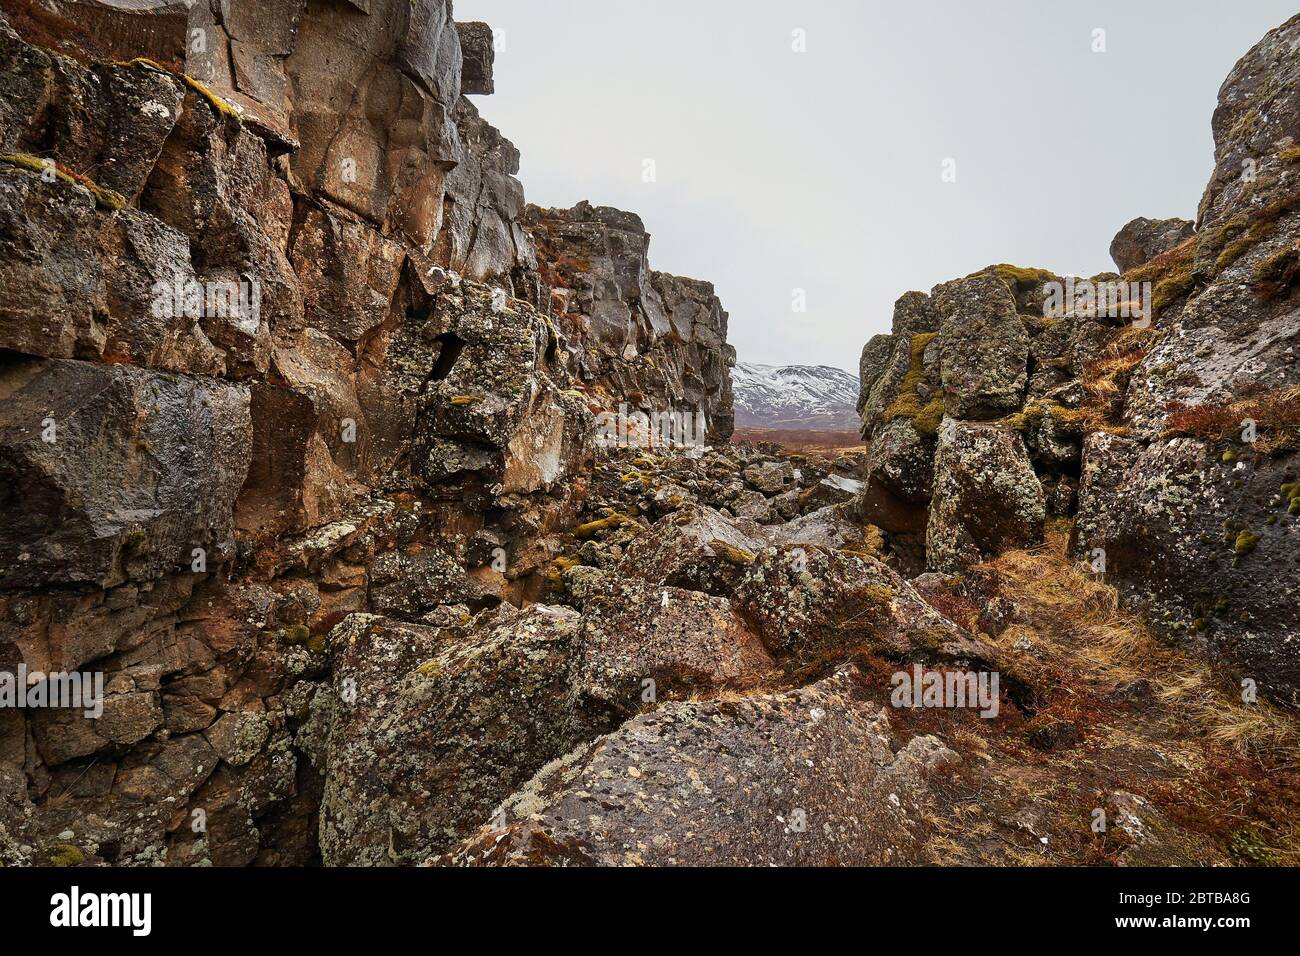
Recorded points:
(794, 397)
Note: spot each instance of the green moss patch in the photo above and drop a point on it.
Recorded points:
(218, 103)
(104, 198)
(926, 418)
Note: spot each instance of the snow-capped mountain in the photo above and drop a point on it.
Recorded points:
(794, 396)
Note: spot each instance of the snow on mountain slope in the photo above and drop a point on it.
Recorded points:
(794, 396)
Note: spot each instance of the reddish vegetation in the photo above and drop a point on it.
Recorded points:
(1276, 415)
(804, 441)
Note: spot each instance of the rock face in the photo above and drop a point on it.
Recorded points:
(280, 371)
(656, 340)
(299, 456)
(1197, 529)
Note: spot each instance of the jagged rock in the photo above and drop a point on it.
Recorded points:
(76, 282)
(343, 78)
(478, 52)
(349, 437)
(983, 348)
(694, 784)
(813, 605)
(899, 480)
(1142, 239)
(209, 174)
(1235, 332)
(657, 339)
(902, 377)
(871, 365)
(349, 273)
(695, 548)
(1256, 114)
(238, 738)
(986, 497)
(114, 473)
(482, 236)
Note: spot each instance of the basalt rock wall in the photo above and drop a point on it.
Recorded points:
(270, 354)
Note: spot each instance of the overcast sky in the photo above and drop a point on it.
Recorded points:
(778, 170)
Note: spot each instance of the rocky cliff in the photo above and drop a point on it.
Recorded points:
(657, 341)
(276, 346)
(299, 458)
(1158, 410)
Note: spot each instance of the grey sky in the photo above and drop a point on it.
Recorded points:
(821, 170)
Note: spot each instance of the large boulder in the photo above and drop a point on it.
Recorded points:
(812, 605)
(1142, 239)
(1205, 548)
(433, 729)
(987, 497)
(983, 348)
(810, 777)
(112, 473)
(642, 642)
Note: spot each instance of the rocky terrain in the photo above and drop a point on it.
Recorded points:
(794, 397)
(341, 464)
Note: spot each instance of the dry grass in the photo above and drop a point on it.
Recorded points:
(1276, 415)
(1170, 273)
(1080, 620)
(1222, 775)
